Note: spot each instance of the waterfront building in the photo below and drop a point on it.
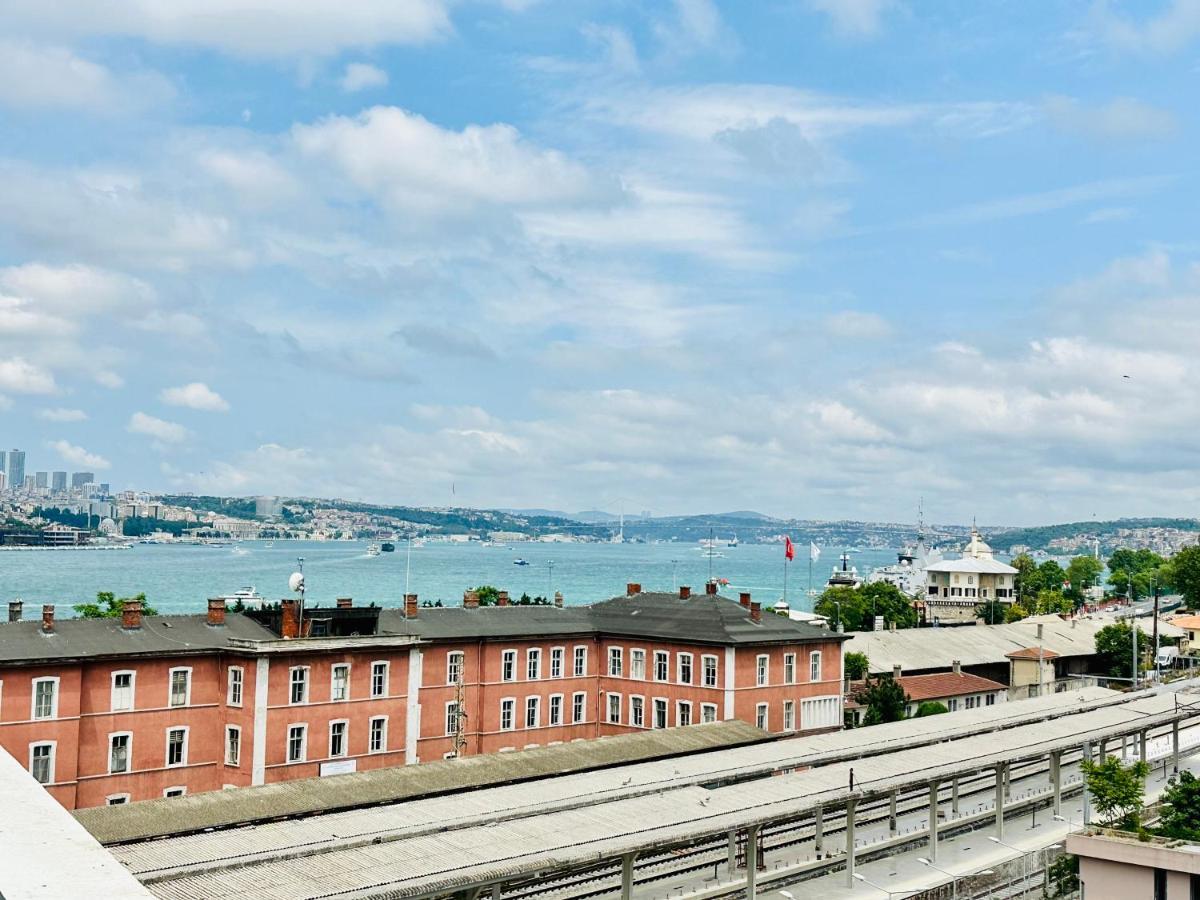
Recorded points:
(58, 482)
(955, 587)
(113, 710)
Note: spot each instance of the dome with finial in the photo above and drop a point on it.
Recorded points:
(977, 548)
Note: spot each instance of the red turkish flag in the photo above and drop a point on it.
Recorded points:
(789, 550)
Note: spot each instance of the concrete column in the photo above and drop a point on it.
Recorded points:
(850, 805)
(1001, 772)
(954, 796)
(892, 814)
(819, 828)
(733, 852)
(933, 820)
(258, 751)
(751, 862)
(1056, 780)
(1103, 748)
(412, 709)
(1142, 740)
(1007, 783)
(1124, 747)
(496, 892)
(1087, 800)
(627, 876)
(1175, 745)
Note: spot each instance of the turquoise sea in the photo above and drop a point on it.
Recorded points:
(181, 578)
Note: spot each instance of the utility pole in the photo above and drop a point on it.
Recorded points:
(460, 716)
(1154, 638)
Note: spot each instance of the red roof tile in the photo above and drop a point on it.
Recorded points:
(939, 685)
(1032, 653)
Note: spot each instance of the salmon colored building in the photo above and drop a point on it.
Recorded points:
(140, 707)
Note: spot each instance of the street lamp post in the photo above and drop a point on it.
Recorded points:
(953, 878)
(1024, 863)
(858, 876)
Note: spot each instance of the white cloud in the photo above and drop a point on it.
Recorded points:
(361, 77)
(159, 429)
(20, 376)
(196, 395)
(1176, 26)
(858, 19)
(859, 325)
(108, 379)
(265, 29)
(1123, 118)
(36, 76)
(78, 289)
(61, 414)
(20, 317)
(77, 456)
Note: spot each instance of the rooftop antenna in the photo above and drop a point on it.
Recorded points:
(296, 583)
(408, 563)
(710, 551)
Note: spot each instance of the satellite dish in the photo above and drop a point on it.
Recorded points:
(296, 581)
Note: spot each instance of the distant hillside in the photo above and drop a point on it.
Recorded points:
(1040, 536)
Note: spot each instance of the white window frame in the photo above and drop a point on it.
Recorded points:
(236, 760)
(128, 735)
(680, 660)
(235, 677)
(708, 712)
(112, 697)
(680, 706)
(456, 663)
(814, 665)
(382, 733)
(167, 764)
(333, 670)
(533, 703)
(665, 706)
(175, 790)
(46, 679)
(616, 661)
(762, 716)
(637, 711)
(610, 707)
(762, 670)
(555, 710)
(345, 723)
(508, 665)
(387, 676)
(287, 750)
(662, 666)
(187, 689)
(706, 669)
(52, 759)
(579, 702)
(637, 663)
(789, 668)
(451, 730)
(558, 657)
(579, 655)
(533, 664)
(789, 715)
(509, 704)
(305, 680)
(117, 799)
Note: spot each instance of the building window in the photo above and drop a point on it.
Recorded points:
(339, 687)
(614, 709)
(177, 791)
(181, 687)
(761, 670)
(662, 665)
(297, 746)
(533, 709)
(116, 799)
(991, 698)
(660, 712)
(177, 747)
(337, 737)
(454, 666)
(579, 707)
(952, 704)
(233, 694)
(614, 661)
(789, 668)
(507, 708)
(118, 752)
(1160, 884)
(41, 762)
(710, 671)
(760, 716)
(452, 710)
(580, 662)
(533, 664)
(556, 662)
(637, 664)
(683, 713)
(377, 735)
(299, 685)
(45, 698)
(379, 679)
(122, 691)
(789, 715)
(556, 705)
(508, 665)
(821, 712)
(685, 668)
(814, 666)
(708, 712)
(637, 712)
(233, 745)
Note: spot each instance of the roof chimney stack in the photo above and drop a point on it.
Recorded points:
(470, 600)
(216, 611)
(502, 598)
(896, 670)
(956, 666)
(48, 618)
(744, 599)
(131, 614)
(684, 592)
(289, 622)
(14, 610)
(632, 588)
(710, 588)
(345, 602)
(1040, 626)
(410, 606)
(755, 612)
(558, 600)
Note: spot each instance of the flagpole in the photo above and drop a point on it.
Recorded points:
(785, 568)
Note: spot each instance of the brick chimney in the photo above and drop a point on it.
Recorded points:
(131, 614)
(632, 588)
(289, 624)
(345, 602)
(558, 599)
(755, 612)
(1040, 626)
(410, 606)
(710, 588)
(743, 598)
(14, 610)
(48, 618)
(502, 598)
(896, 670)
(684, 592)
(216, 611)
(956, 666)
(470, 600)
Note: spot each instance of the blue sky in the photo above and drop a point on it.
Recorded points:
(812, 257)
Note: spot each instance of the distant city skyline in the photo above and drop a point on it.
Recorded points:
(819, 260)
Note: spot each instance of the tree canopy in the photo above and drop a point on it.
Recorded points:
(929, 708)
(857, 607)
(857, 665)
(1083, 572)
(1117, 790)
(991, 612)
(108, 606)
(1114, 646)
(1027, 579)
(884, 699)
(1180, 817)
(1185, 574)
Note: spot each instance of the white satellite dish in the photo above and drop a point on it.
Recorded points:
(296, 581)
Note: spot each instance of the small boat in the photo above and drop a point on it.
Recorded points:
(373, 549)
(247, 597)
(240, 551)
(520, 562)
(269, 544)
(387, 547)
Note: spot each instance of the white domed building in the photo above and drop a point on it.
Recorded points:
(955, 587)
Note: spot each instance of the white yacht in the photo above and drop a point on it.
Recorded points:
(247, 596)
(373, 549)
(845, 575)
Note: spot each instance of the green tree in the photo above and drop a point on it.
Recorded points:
(1181, 809)
(488, 594)
(1051, 576)
(841, 606)
(1083, 572)
(1028, 581)
(1063, 876)
(107, 606)
(1052, 603)
(1114, 646)
(929, 708)
(1117, 791)
(1134, 561)
(1015, 613)
(1185, 574)
(857, 665)
(1120, 581)
(884, 699)
(991, 612)
(858, 607)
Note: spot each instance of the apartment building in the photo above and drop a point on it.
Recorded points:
(115, 710)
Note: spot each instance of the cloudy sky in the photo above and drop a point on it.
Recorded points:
(811, 257)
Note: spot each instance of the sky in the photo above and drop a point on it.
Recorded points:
(815, 258)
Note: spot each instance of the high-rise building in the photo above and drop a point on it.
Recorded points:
(79, 479)
(105, 489)
(3, 462)
(16, 469)
(41, 480)
(58, 481)
(3, 482)
(30, 483)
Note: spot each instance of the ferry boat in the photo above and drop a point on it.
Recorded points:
(520, 562)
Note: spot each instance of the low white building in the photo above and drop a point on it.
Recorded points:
(955, 587)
